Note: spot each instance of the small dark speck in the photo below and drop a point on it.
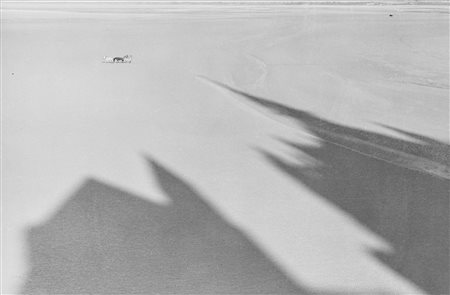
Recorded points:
(12, 74)
(390, 15)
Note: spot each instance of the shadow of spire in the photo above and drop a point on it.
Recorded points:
(429, 156)
(397, 188)
(104, 240)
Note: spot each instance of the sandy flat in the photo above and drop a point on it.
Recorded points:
(317, 136)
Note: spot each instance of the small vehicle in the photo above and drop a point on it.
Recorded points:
(118, 59)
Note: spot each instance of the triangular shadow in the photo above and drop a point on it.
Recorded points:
(397, 188)
(104, 240)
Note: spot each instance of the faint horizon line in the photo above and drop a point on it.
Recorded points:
(337, 2)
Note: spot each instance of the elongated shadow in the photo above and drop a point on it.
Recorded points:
(397, 188)
(104, 240)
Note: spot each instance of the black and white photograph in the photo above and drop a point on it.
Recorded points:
(225, 147)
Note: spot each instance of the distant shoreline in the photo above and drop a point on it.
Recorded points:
(236, 2)
(16, 9)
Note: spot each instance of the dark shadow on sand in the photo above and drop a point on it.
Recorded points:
(104, 240)
(397, 188)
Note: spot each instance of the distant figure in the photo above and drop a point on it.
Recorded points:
(117, 59)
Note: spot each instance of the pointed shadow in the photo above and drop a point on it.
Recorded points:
(397, 188)
(104, 240)
(429, 156)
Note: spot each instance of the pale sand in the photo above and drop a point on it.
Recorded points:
(67, 117)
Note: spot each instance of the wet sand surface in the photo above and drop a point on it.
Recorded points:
(245, 149)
